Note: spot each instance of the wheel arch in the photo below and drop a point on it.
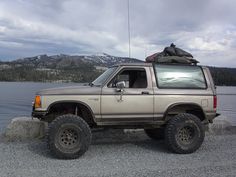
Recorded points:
(185, 107)
(78, 104)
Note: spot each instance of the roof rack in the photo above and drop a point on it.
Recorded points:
(175, 60)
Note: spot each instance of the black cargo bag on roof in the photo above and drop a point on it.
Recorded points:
(172, 54)
(174, 51)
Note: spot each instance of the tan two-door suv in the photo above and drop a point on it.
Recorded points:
(169, 101)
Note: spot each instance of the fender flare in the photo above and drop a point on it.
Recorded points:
(71, 101)
(183, 103)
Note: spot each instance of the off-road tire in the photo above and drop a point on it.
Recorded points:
(68, 137)
(184, 133)
(155, 133)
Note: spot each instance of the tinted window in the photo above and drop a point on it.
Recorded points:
(175, 76)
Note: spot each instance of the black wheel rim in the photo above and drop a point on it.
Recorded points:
(186, 135)
(68, 138)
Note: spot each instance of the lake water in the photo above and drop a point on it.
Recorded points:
(16, 100)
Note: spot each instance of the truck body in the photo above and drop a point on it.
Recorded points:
(144, 105)
(169, 101)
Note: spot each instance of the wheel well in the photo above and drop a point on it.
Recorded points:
(78, 109)
(185, 108)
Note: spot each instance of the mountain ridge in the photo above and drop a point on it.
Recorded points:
(61, 60)
(80, 68)
(63, 68)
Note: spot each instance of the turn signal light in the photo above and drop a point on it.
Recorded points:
(37, 101)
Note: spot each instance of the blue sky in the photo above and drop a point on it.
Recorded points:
(206, 28)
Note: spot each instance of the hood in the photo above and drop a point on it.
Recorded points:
(72, 90)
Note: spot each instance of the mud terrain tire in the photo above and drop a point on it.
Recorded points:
(184, 133)
(68, 137)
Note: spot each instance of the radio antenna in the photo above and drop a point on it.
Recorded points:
(128, 28)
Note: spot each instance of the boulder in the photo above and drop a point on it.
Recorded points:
(25, 128)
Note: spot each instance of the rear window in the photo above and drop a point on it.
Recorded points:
(176, 76)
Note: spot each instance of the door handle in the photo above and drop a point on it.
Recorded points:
(145, 93)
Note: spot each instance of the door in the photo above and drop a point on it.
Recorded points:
(134, 102)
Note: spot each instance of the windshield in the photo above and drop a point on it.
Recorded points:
(103, 77)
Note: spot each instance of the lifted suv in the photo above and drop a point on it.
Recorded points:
(168, 101)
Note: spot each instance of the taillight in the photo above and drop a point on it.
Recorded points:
(37, 101)
(215, 102)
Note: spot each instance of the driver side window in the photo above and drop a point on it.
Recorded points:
(133, 78)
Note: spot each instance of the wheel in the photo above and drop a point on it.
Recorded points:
(69, 137)
(184, 133)
(155, 133)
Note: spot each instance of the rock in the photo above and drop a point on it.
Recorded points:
(25, 128)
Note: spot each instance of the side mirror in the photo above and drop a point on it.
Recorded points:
(120, 85)
(120, 88)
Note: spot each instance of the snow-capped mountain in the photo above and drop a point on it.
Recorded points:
(62, 60)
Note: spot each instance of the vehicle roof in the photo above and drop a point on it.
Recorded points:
(134, 64)
(149, 64)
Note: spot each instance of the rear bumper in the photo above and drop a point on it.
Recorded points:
(210, 117)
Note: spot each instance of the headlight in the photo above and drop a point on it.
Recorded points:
(37, 101)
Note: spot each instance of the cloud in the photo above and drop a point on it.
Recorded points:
(205, 27)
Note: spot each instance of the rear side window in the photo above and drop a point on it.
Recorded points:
(176, 76)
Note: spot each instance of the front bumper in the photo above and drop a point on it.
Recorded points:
(38, 114)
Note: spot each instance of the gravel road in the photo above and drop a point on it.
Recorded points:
(114, 153)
